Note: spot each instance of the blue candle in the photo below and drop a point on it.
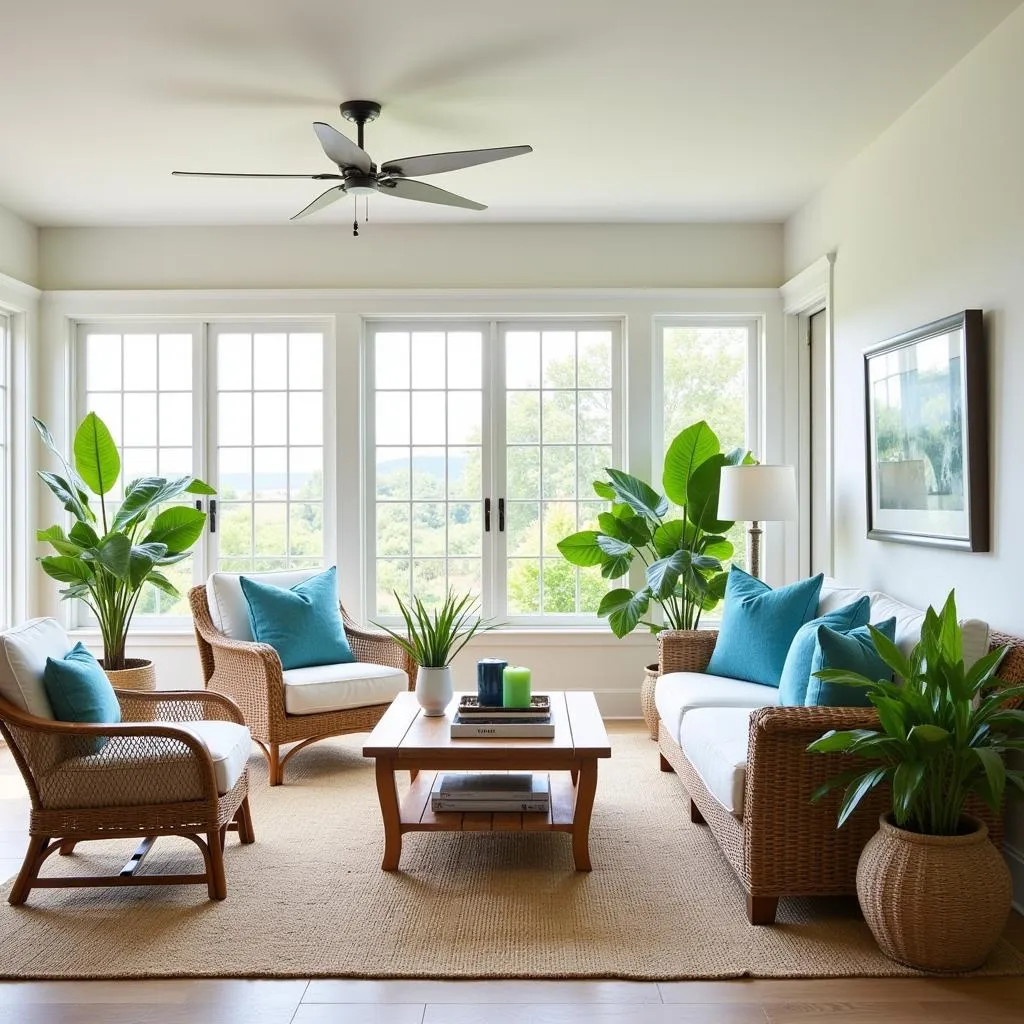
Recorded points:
(490, 681)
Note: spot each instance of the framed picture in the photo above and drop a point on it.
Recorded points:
(926, 394)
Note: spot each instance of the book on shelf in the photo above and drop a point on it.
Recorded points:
(490, 792)
(501, 728)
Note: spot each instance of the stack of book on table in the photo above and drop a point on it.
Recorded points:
(483, 791)
(476, 720)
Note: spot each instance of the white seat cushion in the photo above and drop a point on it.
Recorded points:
(714, 741)
(229, 745)
(150, 774)
(228, 607)
(677, 694)
(23, 653)
(356, 684)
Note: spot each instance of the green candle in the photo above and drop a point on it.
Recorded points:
(515, 691)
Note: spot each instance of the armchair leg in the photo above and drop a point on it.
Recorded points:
(34, 856)
(276, 767)
(762, 909)
(217, 882)
(244, 819)
(68, 847)
(665, 766)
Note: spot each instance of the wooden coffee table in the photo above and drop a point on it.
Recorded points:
(406, 740)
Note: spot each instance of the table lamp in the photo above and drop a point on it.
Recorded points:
(757, 494)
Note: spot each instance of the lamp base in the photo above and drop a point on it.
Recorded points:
(755, 549)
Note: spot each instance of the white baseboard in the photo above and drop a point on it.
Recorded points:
(1015, 861)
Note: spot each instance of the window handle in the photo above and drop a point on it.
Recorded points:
(501, 515)
(487, 515)
(213, 515)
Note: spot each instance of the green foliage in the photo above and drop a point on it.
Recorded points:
(944, 733)
(109, 570)
(435, 636)
(682, 558)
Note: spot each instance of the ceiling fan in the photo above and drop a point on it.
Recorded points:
(360, 176)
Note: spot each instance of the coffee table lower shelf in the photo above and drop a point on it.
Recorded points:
(416, 815)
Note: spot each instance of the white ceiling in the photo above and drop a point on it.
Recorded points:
(660, 110)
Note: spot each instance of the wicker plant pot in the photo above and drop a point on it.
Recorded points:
(937, 903)
(139, 675)
(650, 712)
(686, 650)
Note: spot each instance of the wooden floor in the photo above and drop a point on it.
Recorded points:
(856, 1001)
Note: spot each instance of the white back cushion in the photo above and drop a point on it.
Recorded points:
(23, 653)
(835, 595)
(228, 607)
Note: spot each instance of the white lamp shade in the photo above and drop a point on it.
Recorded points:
(757, 493)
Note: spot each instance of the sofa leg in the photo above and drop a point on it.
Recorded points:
(276, 768)
(762, 909)
(665, 766)
(695, 816)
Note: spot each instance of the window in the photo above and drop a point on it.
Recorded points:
(268, 449)
(483, 441)
(140, 383)
(706, 369)
(259, 391)
(5, 471)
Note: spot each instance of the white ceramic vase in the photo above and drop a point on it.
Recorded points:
(434, 689)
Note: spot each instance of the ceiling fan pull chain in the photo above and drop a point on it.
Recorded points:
(355, 211)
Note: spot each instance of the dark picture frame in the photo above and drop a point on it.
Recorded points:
(926, 426)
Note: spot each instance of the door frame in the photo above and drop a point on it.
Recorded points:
(804, 295)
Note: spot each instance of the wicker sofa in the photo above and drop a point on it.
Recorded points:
(744, 764)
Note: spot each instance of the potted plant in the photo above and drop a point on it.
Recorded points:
(109, 555)
(934, 891)
(432, 641)
(682, 555)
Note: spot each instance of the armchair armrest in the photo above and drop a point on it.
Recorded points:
(378, 648)
(177, 706)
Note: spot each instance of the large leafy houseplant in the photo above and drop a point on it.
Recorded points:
(682, 556)
(944, 730)
(110, 554)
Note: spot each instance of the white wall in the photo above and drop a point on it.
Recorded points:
(415, 256)
(19, 248)
(927, 221)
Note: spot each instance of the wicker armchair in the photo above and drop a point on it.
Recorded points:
(147, 777)
(251, 675)
(785, 845)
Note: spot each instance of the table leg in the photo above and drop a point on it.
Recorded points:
(585, 791)
(388, 794)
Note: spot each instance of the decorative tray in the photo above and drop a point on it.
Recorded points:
(540, 704)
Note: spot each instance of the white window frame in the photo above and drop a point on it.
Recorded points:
(494, 564)
(204, 392)
(6, 471)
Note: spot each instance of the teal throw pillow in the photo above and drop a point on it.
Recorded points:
(796, 673)
(303, 624)
(758, 626)
(79, 691)
(853, 651)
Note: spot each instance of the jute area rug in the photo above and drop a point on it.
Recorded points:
(308, 899)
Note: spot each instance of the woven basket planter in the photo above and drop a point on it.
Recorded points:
(139, 675)
(651, 673)
(686, 650)
(937, 903)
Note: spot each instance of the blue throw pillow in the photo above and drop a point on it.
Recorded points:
(302, 624)
(758, 626)
(79, 691)
(796, 673)
(853, 651)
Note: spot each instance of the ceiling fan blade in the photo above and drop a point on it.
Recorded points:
(436, 163)
(405, 188)
(332, 195)
(226, 174)
(341, 149)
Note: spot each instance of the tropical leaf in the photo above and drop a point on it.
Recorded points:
(113, 553)
(671, 536)
(162, 583)
(61, 543)
(144, 494)
(615, 566)
(702, 496)
(581, 549)
(717, 547)
(69, 498)
(640, 497)
(177, 527)
(65, 569)
(604, 490)
(688, 450)
(96, 457)
(84, 535)
(663, 575)
(859, 789)
(197, 486)
(623, 609)
(613, 547)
